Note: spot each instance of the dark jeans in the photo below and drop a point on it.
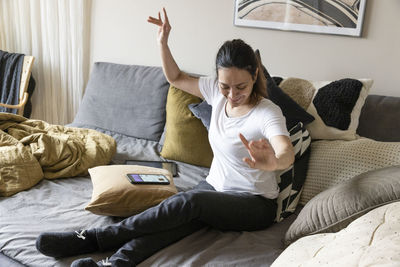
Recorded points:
(142, 235)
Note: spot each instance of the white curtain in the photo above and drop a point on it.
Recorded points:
(57, 34)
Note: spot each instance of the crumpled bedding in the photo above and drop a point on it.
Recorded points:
(371, 240)
(31, 150)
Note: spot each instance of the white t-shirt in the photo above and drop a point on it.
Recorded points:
(228, 171)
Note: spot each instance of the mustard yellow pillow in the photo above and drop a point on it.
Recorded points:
(114, 195)
(186, 138)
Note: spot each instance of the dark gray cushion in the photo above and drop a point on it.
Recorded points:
(202, 111)
(292, 111)
(379, 119)
(127, 99)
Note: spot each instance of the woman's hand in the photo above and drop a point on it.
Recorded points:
(164, 27)
(277, 154)
(262, 155)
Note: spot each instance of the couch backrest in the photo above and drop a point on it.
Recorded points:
(380, 118)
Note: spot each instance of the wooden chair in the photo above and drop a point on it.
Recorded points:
(25, 76)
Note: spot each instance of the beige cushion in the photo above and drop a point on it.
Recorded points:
(114, 195)
(332, 162)
(336, 207)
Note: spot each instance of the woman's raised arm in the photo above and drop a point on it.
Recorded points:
(174, 75)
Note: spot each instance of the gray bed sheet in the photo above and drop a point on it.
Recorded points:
(58, 205)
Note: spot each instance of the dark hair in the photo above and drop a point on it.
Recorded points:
(238, 54)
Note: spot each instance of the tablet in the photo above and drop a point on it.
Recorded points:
(168, 165)
(135, 178)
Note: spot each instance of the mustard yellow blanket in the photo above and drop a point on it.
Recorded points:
(31, 150)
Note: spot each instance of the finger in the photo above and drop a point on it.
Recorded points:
(244, 141)
(268, 145)
(159, 16)
(154, 21)
(256, 145)
(165, 16)
(263, 143)
(152, 18)
(255, 155)
(249, 162)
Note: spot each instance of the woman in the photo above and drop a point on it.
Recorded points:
(240, 191)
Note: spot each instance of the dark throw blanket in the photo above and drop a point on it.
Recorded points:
(10, 78)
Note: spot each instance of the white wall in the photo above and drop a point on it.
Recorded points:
(121, 34)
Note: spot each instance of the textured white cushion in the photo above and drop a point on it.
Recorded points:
(371, 240)
(319, 130)
(332, 162)
(333, 99)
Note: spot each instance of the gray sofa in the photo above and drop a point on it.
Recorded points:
(128, 103)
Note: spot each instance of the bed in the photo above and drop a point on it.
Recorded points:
(59, 204)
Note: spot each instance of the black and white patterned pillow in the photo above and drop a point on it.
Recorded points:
(335, 105)
(291, 180)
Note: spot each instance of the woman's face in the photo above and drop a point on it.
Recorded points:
(236, 85)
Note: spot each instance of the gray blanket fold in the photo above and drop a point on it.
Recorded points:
(10, 78)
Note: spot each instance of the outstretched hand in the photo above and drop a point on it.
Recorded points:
(164, 27)
(262, 155)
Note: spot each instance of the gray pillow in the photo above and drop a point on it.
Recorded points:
(126, 99)
(335, 208)
(202, 111)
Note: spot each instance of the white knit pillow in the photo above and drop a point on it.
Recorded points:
(335, 105)
(332, 162)
(319, 130)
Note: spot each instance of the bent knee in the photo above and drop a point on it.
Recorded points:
(196, 198)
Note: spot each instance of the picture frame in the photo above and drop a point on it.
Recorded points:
(341, 17)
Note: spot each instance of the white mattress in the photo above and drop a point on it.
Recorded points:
(371, 240)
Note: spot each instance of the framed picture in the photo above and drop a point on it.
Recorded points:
(342, 17)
